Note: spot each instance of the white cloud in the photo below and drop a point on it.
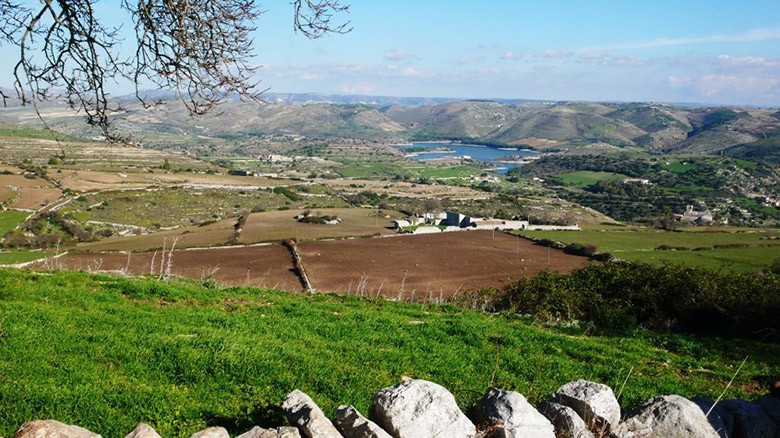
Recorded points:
(549, 53)
(752, 35)
(398, 55)
(469, 59)
(512, 55)
(747, 61)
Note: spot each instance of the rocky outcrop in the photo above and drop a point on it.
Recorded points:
(668, 416)
(303, 413)
(280, 432)
(52, 429)
(593, 402)
(354, 425)
(511, 411)
(211, 432)
(420, 409)
(143, 430)
(565, 421)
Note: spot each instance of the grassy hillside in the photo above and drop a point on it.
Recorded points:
(106, 353)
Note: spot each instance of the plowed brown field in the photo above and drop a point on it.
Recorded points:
(428, 265)
(262, 266)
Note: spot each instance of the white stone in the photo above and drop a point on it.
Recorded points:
(52, 429)
(143, 430)
(420, 409)
(354, 425)
(511, 410)
(211, 432)
(308, 417)
(668, 416)
(565, 421)
(594, 403)
(279, 432)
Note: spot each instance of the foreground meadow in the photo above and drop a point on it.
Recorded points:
(106, 352)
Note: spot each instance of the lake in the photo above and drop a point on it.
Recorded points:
(485, 154)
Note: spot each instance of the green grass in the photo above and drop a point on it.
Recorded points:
(736, 259)
(679, 166)
(25, 132)
(587, 178)
(9, 219)
(447, 171)
(106, 353)
(640, 246)
(14, 257)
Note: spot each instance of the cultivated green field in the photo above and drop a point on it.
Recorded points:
(14, 257)
(587, 178)
(106, 353)
(9, 219)
(642, 246)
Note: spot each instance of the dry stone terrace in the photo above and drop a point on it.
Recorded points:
(417, 408)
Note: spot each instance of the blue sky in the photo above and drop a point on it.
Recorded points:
(714, 51)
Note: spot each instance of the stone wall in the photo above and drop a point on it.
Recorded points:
(420, 409)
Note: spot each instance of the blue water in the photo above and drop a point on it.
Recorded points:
(480, 153)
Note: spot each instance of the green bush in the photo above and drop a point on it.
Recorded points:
(621, 297)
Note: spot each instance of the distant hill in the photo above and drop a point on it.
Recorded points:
(551, 126)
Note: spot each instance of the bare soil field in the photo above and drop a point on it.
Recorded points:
(262, 266)
(31, 194)
(272, 226)
(428, 265)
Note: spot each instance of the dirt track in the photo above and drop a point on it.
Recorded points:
(428, 264)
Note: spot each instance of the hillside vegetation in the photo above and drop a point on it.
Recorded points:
(106, 353)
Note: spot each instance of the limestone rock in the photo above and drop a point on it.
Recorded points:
(143, 430)
(750, 421)
(420, 409)
(593, 402)
(354, 425)
(211, 432)
(308, 417)
(511, 410)
(668, 416)
(52, 429)
(279, 432)
(720, 419)
(565, 421)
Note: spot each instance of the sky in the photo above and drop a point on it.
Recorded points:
(713, 51)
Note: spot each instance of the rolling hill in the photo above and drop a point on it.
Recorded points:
(551, 126)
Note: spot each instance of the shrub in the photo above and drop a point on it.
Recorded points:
(620, 297)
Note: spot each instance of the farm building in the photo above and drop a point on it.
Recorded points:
(400, 224)
(458, 220)
(692, 215)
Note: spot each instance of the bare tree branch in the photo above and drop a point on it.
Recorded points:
(200, 49)
(314, 18)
